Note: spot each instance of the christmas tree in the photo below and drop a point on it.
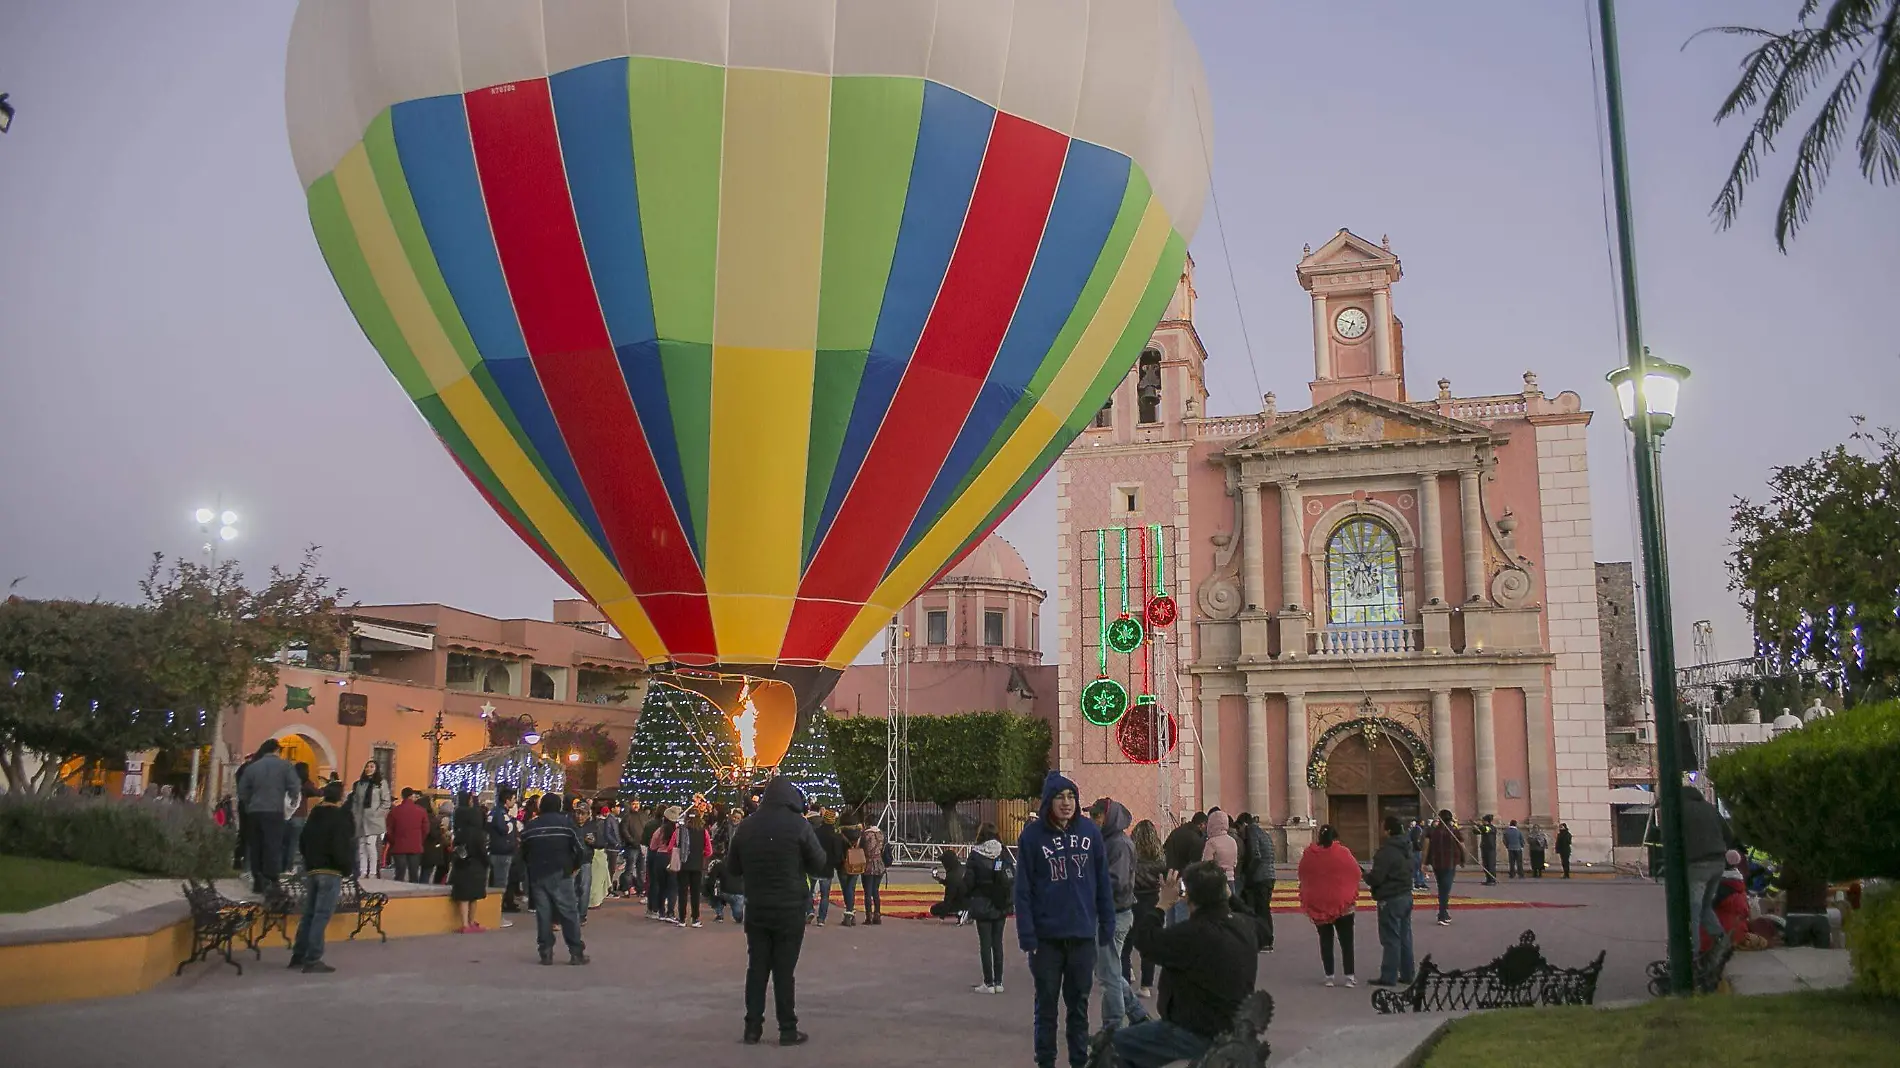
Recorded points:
(678, 749)
(808, 762)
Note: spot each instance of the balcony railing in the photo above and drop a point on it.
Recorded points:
(1382, 639)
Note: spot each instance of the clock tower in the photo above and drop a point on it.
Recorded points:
(1358, 344)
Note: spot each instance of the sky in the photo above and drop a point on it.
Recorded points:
(170, 337)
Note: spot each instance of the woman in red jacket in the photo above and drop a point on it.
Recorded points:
(1329, 893)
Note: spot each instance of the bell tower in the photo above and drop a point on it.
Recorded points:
(1358, 344)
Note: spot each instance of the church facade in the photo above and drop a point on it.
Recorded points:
(1375, 604)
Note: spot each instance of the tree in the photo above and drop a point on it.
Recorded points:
(77, 682)
(679, 748)
(808, 762)
(1857, 44)
(1815, 564)
(220, 638)
(969, 756)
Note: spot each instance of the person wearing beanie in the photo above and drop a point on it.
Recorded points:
(328, 843)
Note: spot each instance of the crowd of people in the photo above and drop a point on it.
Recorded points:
(1098, 899)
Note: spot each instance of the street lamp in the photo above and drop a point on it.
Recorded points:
(1647, 391)
(218, 525)
(1651, 395)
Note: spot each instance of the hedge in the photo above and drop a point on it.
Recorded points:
(1873, 942)
(1825, 798)
(968, 756)
(160, 838)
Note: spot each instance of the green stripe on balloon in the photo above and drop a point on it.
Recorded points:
(379, 144)
(677, 110)
(337, 241)
(874, 126)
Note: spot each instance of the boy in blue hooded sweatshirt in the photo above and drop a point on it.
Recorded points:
(1065, 908)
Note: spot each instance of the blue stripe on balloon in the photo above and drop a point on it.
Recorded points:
(596, 129)
(438, 161)
(1093, 182)
(951, 138)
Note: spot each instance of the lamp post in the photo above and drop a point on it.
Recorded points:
(1646, 392)
(218, 525)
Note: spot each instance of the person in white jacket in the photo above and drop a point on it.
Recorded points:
(370, 803)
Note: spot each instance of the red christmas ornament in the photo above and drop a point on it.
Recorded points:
(1162, 611)
(1136, 734)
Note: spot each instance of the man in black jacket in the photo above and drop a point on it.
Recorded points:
(775, 851)
(328, 843)
(1391, 883)
(1208, 964)
(552, 850)
(1182, 849)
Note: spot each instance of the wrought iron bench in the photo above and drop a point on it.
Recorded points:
(1708, 967)
(1519, 977)
(283, 902)
(216, 924)
(1245, 1046)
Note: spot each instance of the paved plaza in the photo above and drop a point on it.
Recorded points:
(655, 994)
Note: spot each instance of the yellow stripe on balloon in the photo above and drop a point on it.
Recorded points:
(755, 524)
(396, 279)
(1039, 427)
(765, 332)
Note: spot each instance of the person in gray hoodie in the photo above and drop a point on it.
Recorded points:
(1119, 1003)
(266, 787)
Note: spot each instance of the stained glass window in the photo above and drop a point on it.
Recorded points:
(1362, 574)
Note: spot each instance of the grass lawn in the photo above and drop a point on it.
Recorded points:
(1833, 1027)
(27, 884)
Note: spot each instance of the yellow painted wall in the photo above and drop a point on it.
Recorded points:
(49, 972)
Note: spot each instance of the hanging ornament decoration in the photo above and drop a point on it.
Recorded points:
(1162, 612)
(1104, 702)
(1148, 735)
(1124, 634)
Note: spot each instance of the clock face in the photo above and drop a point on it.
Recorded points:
(1351, 323)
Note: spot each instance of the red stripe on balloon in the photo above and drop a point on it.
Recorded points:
(1021, 169)
(518, 157)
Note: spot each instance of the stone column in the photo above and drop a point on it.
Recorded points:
(1444, 762)
(1299, 799)
(1253, 552)
(1292, 541)
(1210, 750)
(1537, 742)
(1259, 790)
(1471, 513)
(1322, 339)
(1484, 731)
(950, 620)
(1431, 538)
(1382, 331)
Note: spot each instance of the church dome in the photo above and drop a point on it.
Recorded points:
(994, 560)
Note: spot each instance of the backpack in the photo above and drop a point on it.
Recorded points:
(854, 860)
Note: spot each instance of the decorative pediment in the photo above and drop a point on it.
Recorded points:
(1358, 419)
(1348, 258)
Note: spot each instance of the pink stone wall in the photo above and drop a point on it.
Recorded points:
(1507, 713)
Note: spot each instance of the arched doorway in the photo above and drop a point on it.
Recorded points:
(1364, 784)
(308, 747)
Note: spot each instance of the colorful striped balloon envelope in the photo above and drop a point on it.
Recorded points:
(752, 316)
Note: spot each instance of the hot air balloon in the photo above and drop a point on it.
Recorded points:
(752, 317)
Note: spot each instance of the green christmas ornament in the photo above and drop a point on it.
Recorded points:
(1124, 634)
(1104, 702)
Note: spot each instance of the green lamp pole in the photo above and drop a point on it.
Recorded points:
(1646, 391)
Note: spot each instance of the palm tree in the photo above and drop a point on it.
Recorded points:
(1859, 39)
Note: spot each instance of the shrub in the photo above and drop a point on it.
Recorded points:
(165, 838)
(1873, 942)
(1825, 798)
